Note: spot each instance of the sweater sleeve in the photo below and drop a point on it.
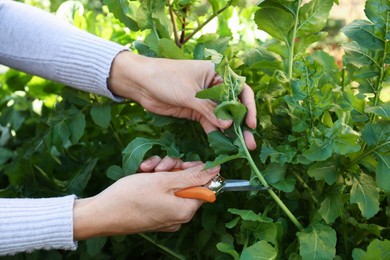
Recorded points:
(39, 43)
(31, 224)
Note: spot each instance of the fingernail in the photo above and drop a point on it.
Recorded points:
(224, 123)
(212, 170)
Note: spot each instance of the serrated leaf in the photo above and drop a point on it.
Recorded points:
(317, 242)
(220, 143)
(377, 12)
(365, 194)
(101, 115)
(376, 134)
(274, 21)
(364, 33)
(261, 250)
(383, 172)
(313, 16)
(331, 206)
(377, 249)
(318, 151)
(326, 171)
(382, 110)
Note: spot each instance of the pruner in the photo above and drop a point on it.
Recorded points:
(218, 184)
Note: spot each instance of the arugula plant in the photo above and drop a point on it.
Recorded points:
(323, 131)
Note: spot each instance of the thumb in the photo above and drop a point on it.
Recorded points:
(194, 176)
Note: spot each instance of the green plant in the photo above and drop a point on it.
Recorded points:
(323, 131)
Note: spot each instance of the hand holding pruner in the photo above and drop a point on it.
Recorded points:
(218, 184)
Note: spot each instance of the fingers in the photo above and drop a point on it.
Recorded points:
(194, 176)
(156, 164)
(248, 99)
(249, 140)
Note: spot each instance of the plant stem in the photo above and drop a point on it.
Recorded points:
(188, 37)
(164, 248)
(292, 43)
(264, 182)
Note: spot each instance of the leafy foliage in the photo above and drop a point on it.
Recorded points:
(323, 131)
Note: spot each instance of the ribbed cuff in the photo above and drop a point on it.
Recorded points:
(31, 224)
(84, 62)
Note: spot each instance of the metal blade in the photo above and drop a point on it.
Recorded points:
(241, 185)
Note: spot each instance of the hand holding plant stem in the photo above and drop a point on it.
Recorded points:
(230, 108)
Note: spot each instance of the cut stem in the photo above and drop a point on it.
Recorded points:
(264, 182)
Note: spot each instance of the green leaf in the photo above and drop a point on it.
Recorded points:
(313, 16)
(81, 178)
(376, 134)
(231, 110)
(274, 21)
(5, 155)
(114, 172)
(101, 115)
(331, 206)
(377, 249)
(382, 110)
(260, 250)
(364, 33)
(167, 48)
(228, 249)
(383, 172)
(234, 82)
(95, 245)
(318, 151)
(249, 215)
(365, 194)
(318, 241)
(135, 151)
(216, 57)
(121, 11)
(326, 171)
(77, 127)
(343, 138)
(222, 158)
(220, 143)
(377, 12)
(218, 93)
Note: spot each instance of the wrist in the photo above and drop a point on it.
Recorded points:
(127, 75)
(85, 219)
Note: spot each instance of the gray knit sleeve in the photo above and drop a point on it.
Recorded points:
(31, 224)
(37, 42)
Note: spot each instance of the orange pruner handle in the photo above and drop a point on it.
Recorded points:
(200, 193)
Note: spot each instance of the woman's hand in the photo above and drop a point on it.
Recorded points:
(168, 87)
(142, 202)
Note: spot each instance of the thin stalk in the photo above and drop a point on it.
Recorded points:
(174, 25)
(366, 153)
(188, 37)
(162, 247)
(292, 43)
(264, 182)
